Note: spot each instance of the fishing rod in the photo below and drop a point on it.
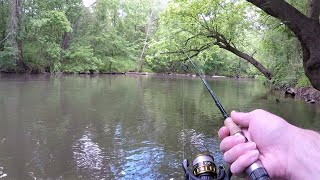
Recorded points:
(255, 171)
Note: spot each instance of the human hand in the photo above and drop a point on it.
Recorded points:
(270, 138)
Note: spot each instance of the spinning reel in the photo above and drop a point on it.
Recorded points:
(203, 167)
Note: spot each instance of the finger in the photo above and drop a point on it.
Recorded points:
(223, 132)
(233, 127)
(241, 118)
(244, 161)
(246, 134)
(231, 141)
(237, 151)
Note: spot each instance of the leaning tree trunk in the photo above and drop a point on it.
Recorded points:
(251, 60)
(223, 43)
(145, 43)
(306, 29)
(13, 39)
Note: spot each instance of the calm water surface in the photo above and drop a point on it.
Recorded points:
(121, 127)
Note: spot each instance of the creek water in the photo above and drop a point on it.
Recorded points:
(122, 127)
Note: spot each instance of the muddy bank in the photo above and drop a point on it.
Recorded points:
(308, 94)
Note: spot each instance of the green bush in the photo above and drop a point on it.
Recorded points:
(7, 62)
(79, 59)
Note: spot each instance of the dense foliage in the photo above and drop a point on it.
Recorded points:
(66, 36)
(148, 35)
(201, 26)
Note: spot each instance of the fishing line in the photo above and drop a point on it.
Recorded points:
(183, 119)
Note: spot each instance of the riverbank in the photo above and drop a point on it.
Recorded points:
(173, 74)
(308, 94)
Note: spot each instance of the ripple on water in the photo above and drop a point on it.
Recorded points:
(143, 162)
(88, 155)
(2, 174)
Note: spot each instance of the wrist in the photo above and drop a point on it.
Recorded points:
(302, 161)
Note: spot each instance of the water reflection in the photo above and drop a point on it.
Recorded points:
(143, 163)
(87, 155)
(120, 127)
(193, 138)
(194, 142)
(2, 173)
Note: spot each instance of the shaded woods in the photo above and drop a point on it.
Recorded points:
(272, 39)
(65, 36)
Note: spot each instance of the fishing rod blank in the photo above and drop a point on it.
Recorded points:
(255, 171)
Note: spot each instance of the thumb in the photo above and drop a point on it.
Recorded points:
(241, 118)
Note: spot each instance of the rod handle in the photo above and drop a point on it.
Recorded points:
(233, 127)
(255, 171)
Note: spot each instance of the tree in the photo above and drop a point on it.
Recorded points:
(52, 36)
(145, 43)
(13, 42)
(43, 39)
(74, 11)
(3, 20)
(207, 23)
(305, 27)
(154, 8)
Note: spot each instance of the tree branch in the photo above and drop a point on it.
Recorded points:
(223, 43)
(286, 13)
(3, 40)
(192, 37)
(202, 48)
(306, 29)
(206, 23)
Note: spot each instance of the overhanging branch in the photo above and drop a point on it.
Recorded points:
(223, 43)
(3, 40)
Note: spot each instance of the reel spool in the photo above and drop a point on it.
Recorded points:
(203, 167)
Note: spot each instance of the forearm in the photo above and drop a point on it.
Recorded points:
(306, 155)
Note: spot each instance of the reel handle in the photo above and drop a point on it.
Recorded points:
(255, 171)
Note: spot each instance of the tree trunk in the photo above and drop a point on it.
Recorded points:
(3, 21)
(306, 29)
(65, 38)
(13, 40)
(65, 41)
(223, 43)
(110, 66)
(251, 60)
(3, 38)
(145, 44)
(314, 9)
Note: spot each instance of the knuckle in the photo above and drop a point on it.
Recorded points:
(228, 119)
(225, 143)
(258, 111)
(222, 133)
(237, 149)
(239, 165)
(242, 161)
(222, 146)
(235, 168)
(227, 157)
